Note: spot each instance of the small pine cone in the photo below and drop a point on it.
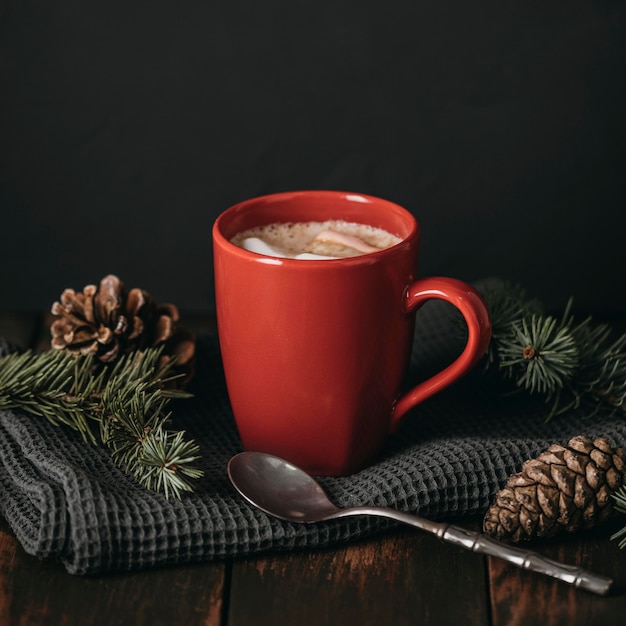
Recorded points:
(566, 488)
(108, 322)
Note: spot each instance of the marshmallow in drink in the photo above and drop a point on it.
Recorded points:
(333, 239)
(344, 239)
(254, 244)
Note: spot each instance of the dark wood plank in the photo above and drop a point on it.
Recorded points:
(522, 598)
(404, 577)
(35, 592)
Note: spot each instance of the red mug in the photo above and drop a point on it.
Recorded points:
(315, 351)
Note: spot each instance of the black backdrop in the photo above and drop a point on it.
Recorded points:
(126, 127)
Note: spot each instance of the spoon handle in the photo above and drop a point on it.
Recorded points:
(526, 559)
(479, 542)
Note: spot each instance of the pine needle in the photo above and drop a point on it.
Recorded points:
(620, 506)
(565, 362)
(45, 385)
(123, 406)
(507, 305)
(539, 354)
(166, 461)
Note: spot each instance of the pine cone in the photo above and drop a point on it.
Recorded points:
(566, 488)
(108, 322)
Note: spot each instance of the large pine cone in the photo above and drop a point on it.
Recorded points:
(566, 488)
(108, 322)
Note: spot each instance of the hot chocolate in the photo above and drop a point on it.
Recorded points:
(333, 239)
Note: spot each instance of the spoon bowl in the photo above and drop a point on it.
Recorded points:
(279, 488)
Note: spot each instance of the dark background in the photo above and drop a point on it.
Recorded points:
(126, 127)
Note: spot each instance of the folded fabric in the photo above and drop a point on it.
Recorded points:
(66, 499)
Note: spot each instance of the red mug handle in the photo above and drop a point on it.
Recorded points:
(474, 310)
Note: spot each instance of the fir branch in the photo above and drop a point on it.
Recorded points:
(53, 385)
(124, 406)
(507, 305)
(603, 371)
(565, 362)
(620, 506)
(166, 462)
(540, 354)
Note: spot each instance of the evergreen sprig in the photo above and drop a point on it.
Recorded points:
(122, 406)
(566, 362)
(548, 356)
(620, 506)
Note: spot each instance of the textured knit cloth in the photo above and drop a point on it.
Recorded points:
(65, 499)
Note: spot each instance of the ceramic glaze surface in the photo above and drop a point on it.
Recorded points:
(315, 352)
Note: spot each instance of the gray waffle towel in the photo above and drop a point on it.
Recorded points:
(67, 500)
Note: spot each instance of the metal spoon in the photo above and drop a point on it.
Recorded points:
(283, 490)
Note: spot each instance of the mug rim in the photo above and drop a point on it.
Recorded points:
(268, 203)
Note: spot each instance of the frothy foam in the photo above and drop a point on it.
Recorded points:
(332, 239)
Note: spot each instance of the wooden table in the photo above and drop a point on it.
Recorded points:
(400, 577)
